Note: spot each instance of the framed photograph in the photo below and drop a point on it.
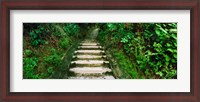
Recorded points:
(100, 50)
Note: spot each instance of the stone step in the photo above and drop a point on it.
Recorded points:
(89, 65)
(90, 47)
(88, 44)
(90, 70)
(89, 62)
(88, 56)
(89, 41)
(93, 77)
(90, 51)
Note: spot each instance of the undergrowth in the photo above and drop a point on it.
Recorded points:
(45, 46)
(142, 50)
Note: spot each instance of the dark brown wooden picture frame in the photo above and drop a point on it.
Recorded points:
(192, 5)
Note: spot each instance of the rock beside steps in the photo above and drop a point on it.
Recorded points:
(90, 62)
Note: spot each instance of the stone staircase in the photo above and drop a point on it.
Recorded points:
(89, 62)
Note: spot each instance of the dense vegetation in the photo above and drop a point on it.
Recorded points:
(45, 46)
(142, 50)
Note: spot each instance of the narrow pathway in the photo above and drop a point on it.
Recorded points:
(89, 62)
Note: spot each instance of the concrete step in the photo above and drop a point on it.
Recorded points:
(88, 56)
(90, 70)
(90, 47)
(89, 62)
(93, 77)
(90, 51)
(89, 41)
(89, 44)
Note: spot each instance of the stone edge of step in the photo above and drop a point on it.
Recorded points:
(88, 56)
(88, 70)
(92, 77)
(89, 51)
(78, 62)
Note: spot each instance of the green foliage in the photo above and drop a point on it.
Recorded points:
(45, 45)
(53, 59)
(64, 43)
(27, 52)
(37, 35)
(72, 29)
(142, 50)
(152, 47)
(50, 70)
(126, 65)
(30, 65)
